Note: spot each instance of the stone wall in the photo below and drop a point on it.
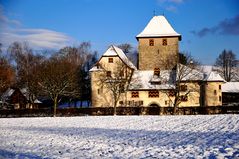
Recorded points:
(158, 55)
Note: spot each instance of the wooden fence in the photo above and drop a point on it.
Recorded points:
(120, 111)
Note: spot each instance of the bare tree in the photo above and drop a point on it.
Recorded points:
(116, 82)
(226, 64)
(126, 47)
(7, 73)
(57, 78)
(83, 58)
(25, 63)
(183, 75)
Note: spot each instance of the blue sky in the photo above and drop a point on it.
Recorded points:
(207, 26)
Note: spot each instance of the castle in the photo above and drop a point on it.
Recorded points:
(159, 79)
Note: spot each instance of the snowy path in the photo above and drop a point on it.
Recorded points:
(215, 136)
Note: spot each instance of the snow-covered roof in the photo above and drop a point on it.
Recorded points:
(213, 76)
(36, 101)
(144, 80)
(115, 51)
(207, 68)
(8, 93)
(123, 57)
(185, 73)
(232, 87)
(95, 68)
(158, 27)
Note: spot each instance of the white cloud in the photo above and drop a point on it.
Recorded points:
(176, 1)
(170, 5)
(171, 1)
(11, 30)
(171, 8)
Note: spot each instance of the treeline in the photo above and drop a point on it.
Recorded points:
(62, 74)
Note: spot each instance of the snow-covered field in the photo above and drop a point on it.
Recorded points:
(215, 136)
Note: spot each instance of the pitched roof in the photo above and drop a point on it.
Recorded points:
(213, 76)
(143, 80)
(115, 51)
(186, 73)
(230, 87)
(158, 27)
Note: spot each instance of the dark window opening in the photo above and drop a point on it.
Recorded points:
(183, 88)
(165, 42)
(135, 94)
(151, 42)
(110, 60)
(153, 94)
(108, 73)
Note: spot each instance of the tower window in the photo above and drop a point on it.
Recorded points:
(135, 94)
(108, 73)
(183, 88)
(215, 92)
(151, 42)
(220, 98)
(110, 60)
(165, 42)
(220, 87)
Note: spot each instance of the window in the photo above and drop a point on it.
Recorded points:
(121, 88)
(183, 88)
(110, 60)
(122, 73)
(100, 90)
(171, 93)
(108, 73)
(157, 71)
(184, 98)
(165, 42)
(215, 92)
(153, 94)
(220, 87)
(166, 102)
(151, 42)
(135, 94)
(220, 98)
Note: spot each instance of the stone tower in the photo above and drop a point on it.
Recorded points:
(158, 45)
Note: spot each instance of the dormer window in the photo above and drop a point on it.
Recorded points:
(165, 42)
(110, 60)
(151, 42)
(157, 71)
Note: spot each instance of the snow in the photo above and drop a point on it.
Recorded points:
(115, 51)
(202, 136)
(207, 69)
(123, 57)
(142, 80)
(185, 73)
(213, 76)
(232, 87)
(95, 68)
(158, 26)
